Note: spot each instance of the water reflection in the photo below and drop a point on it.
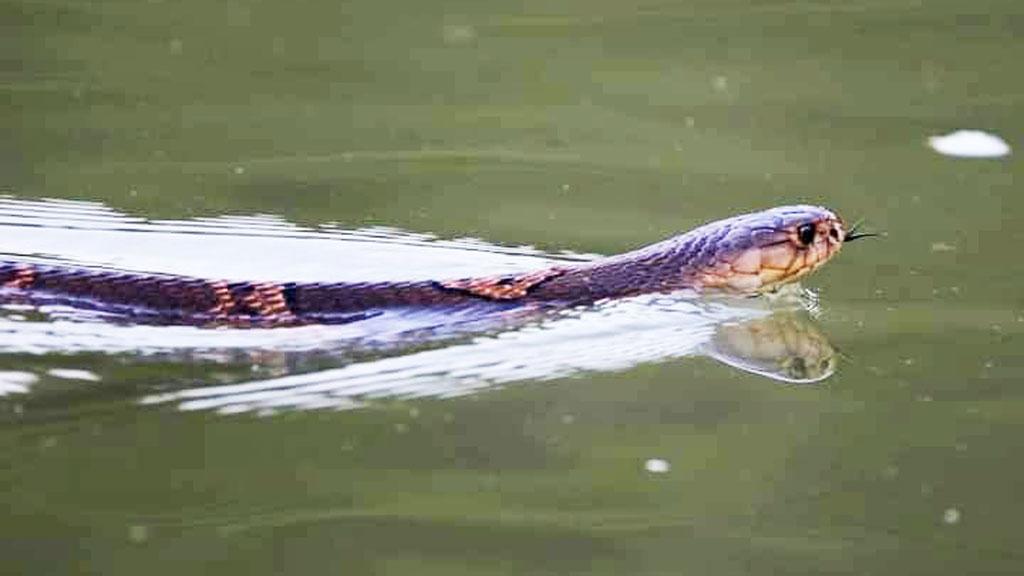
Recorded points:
(781, 345)
(398, 354)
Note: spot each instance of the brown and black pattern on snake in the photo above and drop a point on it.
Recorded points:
(19, 277)
(745, 254)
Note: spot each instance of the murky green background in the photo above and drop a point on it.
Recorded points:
(596, 126)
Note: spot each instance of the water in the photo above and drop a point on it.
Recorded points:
(365, 140)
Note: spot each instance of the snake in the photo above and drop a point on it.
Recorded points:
(746, 254)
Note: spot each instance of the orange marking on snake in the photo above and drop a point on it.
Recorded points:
(503, 287)
(254, 301)
(268, 301)
(225, 302)
(272, 297)
(24, 278)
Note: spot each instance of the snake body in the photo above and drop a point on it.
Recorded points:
(744, 254)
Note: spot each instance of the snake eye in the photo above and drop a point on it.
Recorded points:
(805, 233)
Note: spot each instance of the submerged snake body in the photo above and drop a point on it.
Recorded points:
(745, 254)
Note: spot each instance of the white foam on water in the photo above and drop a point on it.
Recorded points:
(970, 144)
(16, 382)
(657, 466)
(73, 374)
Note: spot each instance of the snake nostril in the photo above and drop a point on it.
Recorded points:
(834, 233)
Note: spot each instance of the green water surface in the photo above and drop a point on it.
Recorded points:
(591, 125)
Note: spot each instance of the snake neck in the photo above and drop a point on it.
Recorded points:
(663, 267)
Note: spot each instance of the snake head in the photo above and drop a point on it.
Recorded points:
(761, 251)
